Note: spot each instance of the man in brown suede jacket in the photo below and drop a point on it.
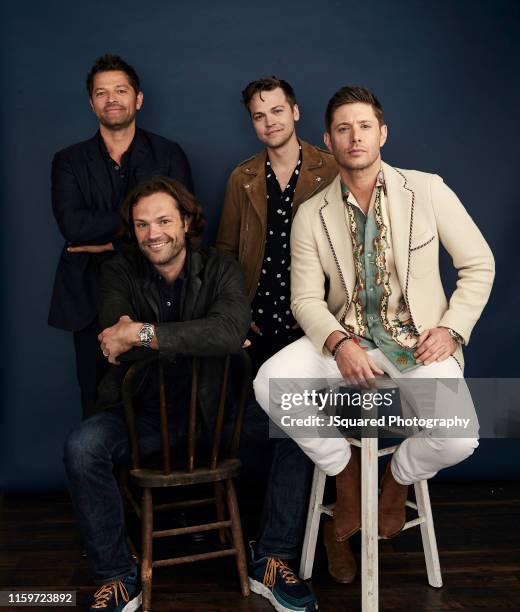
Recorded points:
(263, 194)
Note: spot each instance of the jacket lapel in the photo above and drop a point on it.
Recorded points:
(401, 199)
(98, 170)
(141, 159)
(311, 177)
(255, 187)
(333, 219)
(192, 286)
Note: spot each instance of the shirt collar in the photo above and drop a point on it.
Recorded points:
(299, 163)
(104, 150)
(183, 274)
(380, 182)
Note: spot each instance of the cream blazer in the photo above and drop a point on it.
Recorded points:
(423, 212)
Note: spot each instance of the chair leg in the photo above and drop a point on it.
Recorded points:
(238, 538)
(220, 503)
(313, 523)
(122, 477)
(369, 527)
(146, 557)
(431, 554)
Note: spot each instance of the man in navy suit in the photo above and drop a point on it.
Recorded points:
(89, 182)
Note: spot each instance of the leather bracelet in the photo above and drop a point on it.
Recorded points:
(339, 344)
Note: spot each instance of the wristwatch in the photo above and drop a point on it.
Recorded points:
(457, 337)
(146, 334)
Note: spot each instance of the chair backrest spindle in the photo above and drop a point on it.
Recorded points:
(219, 421)
(192, 422)
(166, 457)
(246, 376)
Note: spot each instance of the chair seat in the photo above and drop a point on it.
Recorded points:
(151, 478)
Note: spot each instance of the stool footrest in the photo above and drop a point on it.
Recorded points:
(387, 451)
(329, 508)
(414, 523)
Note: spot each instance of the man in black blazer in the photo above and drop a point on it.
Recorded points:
(89, 182)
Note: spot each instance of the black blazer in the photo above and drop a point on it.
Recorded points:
(81, 201)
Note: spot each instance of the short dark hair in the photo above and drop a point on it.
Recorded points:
(187, 205)
(351, 95)
(267, 84)
(109, 62)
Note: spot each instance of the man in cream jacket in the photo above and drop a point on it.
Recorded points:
(366, 290)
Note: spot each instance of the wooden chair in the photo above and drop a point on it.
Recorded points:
(216, 471)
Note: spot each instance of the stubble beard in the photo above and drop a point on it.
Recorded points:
(176, 246)
(116, 125)
(359, 166)
(282, 143)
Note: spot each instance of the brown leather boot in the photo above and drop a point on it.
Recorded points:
(347, 512)
(392, 510)
(342, 564)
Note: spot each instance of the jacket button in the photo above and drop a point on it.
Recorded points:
(246, 186)
(318, 179)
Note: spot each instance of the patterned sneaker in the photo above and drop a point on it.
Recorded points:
(274, 579)
(119, 596)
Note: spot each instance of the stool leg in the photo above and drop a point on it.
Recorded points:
(238, 538)
(431, 554)
(313, 524)
(146, 557)
(369, 528)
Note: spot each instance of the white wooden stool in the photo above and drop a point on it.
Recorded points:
(369, 527)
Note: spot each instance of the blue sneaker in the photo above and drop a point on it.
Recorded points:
(275, 580)
(119, 596)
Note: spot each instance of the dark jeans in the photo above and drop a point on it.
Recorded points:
(90, 452)
(91, 366)
(284, 511)
(286, 502)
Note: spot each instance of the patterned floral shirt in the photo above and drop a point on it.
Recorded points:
(378, 315)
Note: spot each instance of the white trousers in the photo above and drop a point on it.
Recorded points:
(417, 458)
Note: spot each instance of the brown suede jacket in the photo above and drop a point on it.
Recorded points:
(242, 230)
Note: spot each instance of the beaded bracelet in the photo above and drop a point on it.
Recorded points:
(339, 344)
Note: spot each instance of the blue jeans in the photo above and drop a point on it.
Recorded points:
(284, 512)
(91, 450)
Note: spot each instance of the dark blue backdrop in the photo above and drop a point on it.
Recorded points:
(446, 72)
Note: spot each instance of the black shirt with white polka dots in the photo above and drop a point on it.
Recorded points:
(271, 305)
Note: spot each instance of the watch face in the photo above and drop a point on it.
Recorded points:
(145, 334)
